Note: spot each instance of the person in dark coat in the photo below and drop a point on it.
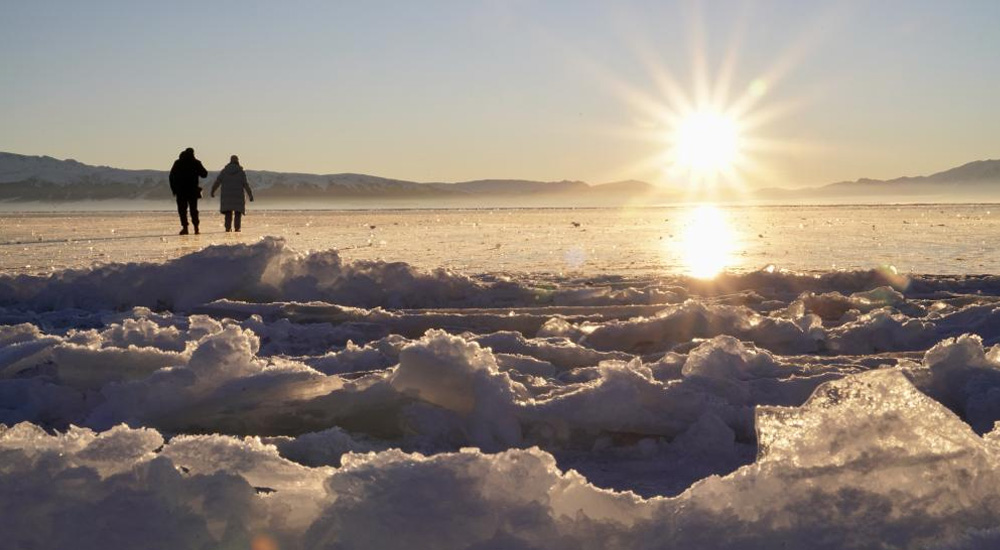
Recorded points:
(184, 177)
(232, 203)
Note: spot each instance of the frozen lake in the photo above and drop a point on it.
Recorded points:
(941, 239)
(572, 379)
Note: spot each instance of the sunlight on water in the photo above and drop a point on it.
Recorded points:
(707, 243)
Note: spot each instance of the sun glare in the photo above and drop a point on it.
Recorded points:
(706, 143)
(708, 242)
(708, 137)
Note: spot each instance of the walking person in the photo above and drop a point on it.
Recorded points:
(232, 203)
(184, 177)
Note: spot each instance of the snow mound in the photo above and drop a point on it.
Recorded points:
(463, 378)
(261, 272)
(254, 396)
(867, 458)
(693, 319)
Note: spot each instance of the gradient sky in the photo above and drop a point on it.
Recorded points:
(459, 90)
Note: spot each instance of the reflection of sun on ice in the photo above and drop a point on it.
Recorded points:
(706, 143)
(707, 243)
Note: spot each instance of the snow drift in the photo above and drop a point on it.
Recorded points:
(301, 401)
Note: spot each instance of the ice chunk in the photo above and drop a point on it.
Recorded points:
(324, 448)
(513, 499)
(903, 423)
(144, 333)
(225, 356)
(377, 355)
(108, 453)
(169, 396)
(110, 490)
(558, 351)
(297, 493)
(966, 378)
(726, 358)
(626, 401)
(15, 334)
(464, 378)
(866, 446)
(693, 319)
(879, 331)
(86, 368)
(523, 364)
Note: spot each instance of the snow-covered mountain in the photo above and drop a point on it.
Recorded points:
(25, 177)
(34, 178)
(973, 173)
(977, 180)
(504, 187)
(15, 168)
(44, 179)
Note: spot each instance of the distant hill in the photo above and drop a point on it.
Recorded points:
(43, 178)
(974, 173)
(977, 180)
(628, 187)
(506, 187)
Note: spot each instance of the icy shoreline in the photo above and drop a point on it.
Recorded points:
(250, 390)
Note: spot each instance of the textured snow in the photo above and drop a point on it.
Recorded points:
(308, 401)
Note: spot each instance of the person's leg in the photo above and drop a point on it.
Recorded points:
(229, 220)
(194, 214)
(239, 217)
(182, 210)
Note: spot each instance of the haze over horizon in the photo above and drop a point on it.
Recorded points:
(542, 91)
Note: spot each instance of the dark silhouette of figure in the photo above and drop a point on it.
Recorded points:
(184, 185)
(232, 203)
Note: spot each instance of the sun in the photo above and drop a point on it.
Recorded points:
(706, 143)
(709, 136)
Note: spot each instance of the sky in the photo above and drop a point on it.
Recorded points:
(544, 90)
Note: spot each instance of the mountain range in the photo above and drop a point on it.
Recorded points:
(46, 179)
(975, 180)
(43, 178)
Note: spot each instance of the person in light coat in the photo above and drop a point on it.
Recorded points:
(233, 181)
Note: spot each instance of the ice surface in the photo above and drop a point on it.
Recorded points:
(609, 242)
(315, 401)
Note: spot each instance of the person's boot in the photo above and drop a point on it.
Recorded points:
(184, 230)
(196, 232)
